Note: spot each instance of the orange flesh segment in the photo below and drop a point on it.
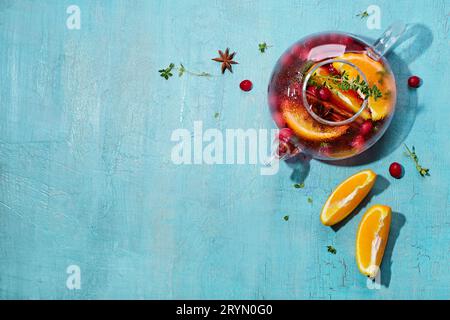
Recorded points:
(371, 239)
(304, 126)
(376, 74)
(350, 101)
(347, 196)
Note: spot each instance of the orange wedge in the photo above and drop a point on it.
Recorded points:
(371, 239)
(376, 74)
(346, 197)
(301, 122)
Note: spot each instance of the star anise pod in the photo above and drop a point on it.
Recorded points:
(226, 59)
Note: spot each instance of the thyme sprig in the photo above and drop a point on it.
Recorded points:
(412, 154)
(168, 72)
(342, 81)
(263, 47)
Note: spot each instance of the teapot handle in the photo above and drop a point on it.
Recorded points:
(387, 40)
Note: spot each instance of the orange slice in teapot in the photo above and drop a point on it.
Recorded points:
(304, 126)
(376, 74)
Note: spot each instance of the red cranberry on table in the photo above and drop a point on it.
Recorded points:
(246, 85)
(324, 94)
(396, 170)
(414, 82)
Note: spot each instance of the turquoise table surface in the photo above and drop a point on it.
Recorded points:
(92, 205)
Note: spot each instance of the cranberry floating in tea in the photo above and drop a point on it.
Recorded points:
(335, 93)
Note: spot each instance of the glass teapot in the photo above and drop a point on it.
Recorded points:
(333, 95)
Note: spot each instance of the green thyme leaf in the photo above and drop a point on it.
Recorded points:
(363, 15)
(286, 218)
(412, 154)
(343, 83)
(181, 70)
(263, 47)
(167, 72)
(331, 249)
(299, 185)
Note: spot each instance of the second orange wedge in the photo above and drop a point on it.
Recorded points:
(371, 239)
(346, 197)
